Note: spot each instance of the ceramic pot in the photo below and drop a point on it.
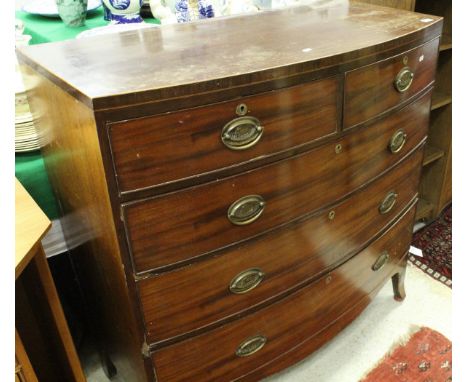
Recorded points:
(72, 12)
(162, 11)
(107, 12)
(123, 11)
(191, 10)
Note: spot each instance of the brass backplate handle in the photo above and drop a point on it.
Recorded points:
(388, 202)
(242, 133)
(404, 79)
(246, 281)
(381, 261)
(246, 209)
(251, 346)
(397, 141)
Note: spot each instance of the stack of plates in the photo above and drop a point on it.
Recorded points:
(26, 137)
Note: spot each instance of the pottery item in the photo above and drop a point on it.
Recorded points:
(20, 37)
(123, 11)
(19, 27)
(191, 10)
(161, 10)
(72, 12)
(236, 7)
(107, 12)
(169, 3)
(263, 4)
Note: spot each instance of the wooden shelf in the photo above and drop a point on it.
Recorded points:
(423, 210)
(431, 154)
(446, 42)
(435, 190)
(439, 99)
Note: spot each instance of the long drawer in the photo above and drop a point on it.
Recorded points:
(303, 349)
(238, 348)
(375, 88)
(166, 148)
(174, 229)
(187, 299)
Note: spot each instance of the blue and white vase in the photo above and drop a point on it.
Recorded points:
(122, 11)
(107, 12)
(191, 10)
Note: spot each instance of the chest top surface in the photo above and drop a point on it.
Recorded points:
(133, 67)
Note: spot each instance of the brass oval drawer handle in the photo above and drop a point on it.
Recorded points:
(388, 202)
(404, 79)
(251, 346)
(241, 133)
(397, 141)
(246, 281)
(246, 209)
(381, 261)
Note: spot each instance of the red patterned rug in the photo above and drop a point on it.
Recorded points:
(426, 357)
(435, 240)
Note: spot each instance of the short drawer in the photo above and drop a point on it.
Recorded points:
(240, 347)
(376, 88)
(180, 145)
(194, 297)
(174, 229)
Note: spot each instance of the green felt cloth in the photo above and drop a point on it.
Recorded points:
(29, 167)
(30, 171)
(46, 29)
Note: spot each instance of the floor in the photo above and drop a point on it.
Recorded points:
(356, 350)
(360, 346)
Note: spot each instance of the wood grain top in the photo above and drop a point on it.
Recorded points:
(208, 55)
(31, 224)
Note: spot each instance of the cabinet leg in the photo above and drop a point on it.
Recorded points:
(398, 281)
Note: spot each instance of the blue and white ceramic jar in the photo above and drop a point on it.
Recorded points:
(191, 10)
(122, 11)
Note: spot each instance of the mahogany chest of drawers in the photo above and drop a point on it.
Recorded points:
(244, 185)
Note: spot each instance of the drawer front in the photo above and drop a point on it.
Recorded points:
(176, 228)
(372, 89)
(162, 149)
(238, 348)
(177, 302)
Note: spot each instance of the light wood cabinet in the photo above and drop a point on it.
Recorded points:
(43, 345)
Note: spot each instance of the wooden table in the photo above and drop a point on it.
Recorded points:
(44, 347)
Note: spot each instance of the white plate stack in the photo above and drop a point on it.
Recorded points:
(26, 137)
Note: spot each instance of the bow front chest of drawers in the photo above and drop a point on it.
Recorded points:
(244, 185)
